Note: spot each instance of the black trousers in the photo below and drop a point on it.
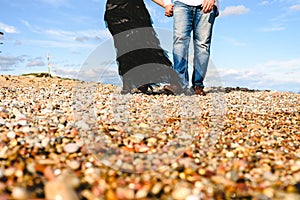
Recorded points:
(140, 58)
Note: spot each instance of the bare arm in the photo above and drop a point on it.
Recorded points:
(159, 2)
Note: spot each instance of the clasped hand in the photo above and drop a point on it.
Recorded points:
(207, 7)
(169, 10)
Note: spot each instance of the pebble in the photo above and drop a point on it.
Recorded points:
(82, 125)
(19, 193)
(157, 188)
(73, 164)
(45, 142)
(71, 148)
(26, 129)
(2, 121)
(57, 189)
(142, 193)
(181, 193)
(11, 135)
(22, 122)
(270, 176)
(230, 154)
(65, 139)
(269, 192)
(138, 137)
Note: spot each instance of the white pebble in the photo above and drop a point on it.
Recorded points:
(71, 148)
(26, 129)
(19, 193)
(2, 121)
(22, 122)
(45, 142)
(11, 134)
(229, 154)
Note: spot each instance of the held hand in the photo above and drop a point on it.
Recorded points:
(208, 5)
(169, 10)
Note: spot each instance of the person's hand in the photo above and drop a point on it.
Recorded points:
(169, 10)
(208, 5)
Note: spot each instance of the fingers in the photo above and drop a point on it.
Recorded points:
(169, 10)
(207, 9)
(208, 6)
(169, 14)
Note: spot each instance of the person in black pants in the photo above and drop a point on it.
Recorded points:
(141, 60)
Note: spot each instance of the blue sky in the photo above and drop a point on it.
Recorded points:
(255, 42)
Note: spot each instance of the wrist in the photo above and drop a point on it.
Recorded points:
(168, 5)
(167, 2)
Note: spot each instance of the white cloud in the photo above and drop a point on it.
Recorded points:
(234, 10)
(264, 3)
(272, 29)
(8, 29)
(36, 62)
(58, 44)
(9, 62)
(87, 35)
(234, 42)
(66, 38)
(69, 35)
(295, 7)
(32, 28)
(275, 74)
(292, 4)
(94, 74)
(66, 73)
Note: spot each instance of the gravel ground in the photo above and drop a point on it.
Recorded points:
(67, 139)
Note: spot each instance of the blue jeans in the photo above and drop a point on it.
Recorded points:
(189, 19)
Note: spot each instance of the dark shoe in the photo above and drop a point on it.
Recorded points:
(145, 89)
(173, 90)
(199, 91)
(168, 90)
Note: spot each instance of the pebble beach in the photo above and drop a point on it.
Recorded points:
(63, 139)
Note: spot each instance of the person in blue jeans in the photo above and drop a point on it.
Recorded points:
(197, 16)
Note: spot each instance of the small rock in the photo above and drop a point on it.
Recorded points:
(73, 164)
(26, 129)
(19, 193)
(269, 192)
(45, 142)
(71, 148)
(229, 154)
(22, 122)
(82, 125)
(11, 135)
(2, 121)
(142, 193)
(137, 138)
(181, 193)
(270, 176)
(57, 189)
(156, 188)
